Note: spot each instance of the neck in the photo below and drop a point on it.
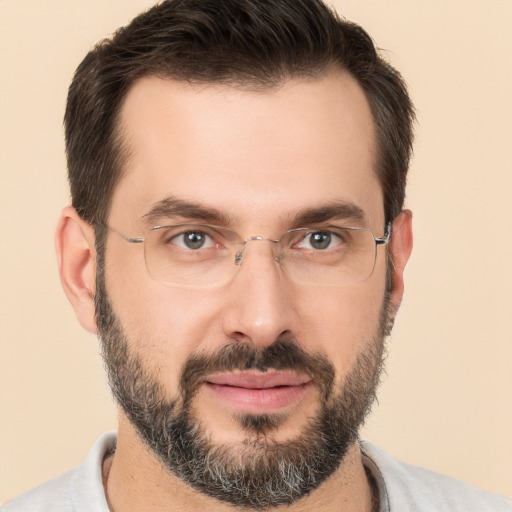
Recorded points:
(135, 480)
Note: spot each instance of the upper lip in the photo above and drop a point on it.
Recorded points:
(258, 380)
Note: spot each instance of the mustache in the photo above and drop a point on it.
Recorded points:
(281, 355)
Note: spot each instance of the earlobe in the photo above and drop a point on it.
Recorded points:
(400, 247)
(76, 257)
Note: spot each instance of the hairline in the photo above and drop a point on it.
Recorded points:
(121, 144)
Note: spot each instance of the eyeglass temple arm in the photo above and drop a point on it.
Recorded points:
(387, 235)
(138, 240)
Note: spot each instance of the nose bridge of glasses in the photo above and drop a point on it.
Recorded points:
(255, 238)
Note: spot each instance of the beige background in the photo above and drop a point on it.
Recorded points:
(446, 402)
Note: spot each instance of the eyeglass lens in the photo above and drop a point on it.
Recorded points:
(196, 255)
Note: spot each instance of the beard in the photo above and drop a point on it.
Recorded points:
(260, 472)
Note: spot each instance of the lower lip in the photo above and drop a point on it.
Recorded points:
(259, 401)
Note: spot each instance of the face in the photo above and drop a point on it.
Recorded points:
(261, 375)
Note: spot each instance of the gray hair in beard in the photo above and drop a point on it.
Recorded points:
(261, 472)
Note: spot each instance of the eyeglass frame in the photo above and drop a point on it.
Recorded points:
(243, 242)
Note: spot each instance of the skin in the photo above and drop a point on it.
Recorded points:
(258, 157)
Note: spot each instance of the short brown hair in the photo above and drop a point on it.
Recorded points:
(257, 43)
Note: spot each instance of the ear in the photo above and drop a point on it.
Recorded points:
(400, 247)
(76, 256)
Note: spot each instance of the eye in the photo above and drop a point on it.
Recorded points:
(193, 240)
(320, 240)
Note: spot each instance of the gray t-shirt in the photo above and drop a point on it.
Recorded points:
(402, 488)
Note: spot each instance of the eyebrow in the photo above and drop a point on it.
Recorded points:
(173, 207)
(339, 210)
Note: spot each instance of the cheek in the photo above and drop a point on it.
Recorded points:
(163, 324)
(340, 322)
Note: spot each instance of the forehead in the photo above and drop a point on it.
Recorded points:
(250, 154)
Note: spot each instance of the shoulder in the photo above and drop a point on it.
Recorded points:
(51, 496)
(78, 490)
(405, 487)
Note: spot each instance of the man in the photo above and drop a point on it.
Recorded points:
(237, 240)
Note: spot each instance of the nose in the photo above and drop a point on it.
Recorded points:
(258, 307)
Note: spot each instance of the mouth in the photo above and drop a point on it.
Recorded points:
(254, 392)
